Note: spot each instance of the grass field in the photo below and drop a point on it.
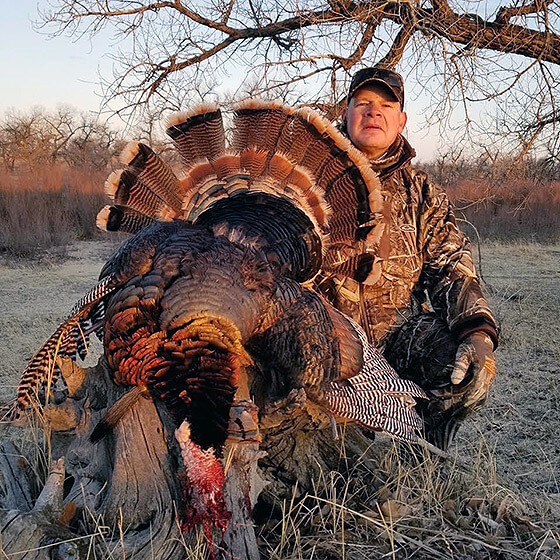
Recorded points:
(502, 498)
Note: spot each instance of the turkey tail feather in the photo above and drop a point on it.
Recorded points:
(153, 173)
(146, 190)
(258, 124)
(125, 190)
(198, 134)
(119, 218)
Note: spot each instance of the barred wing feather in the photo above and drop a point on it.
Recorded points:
(377, 398)
(69, 339)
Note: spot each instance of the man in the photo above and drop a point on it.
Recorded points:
(424, 306)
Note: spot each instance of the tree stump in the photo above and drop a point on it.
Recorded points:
(121, 498)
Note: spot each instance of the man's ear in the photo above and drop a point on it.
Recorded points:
(402, 122)
(343, 125)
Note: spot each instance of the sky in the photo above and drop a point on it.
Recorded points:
(47, 72)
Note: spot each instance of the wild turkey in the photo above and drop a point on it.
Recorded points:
(213, 280)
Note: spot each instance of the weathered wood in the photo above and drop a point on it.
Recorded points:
(122, 495)
(17, 478)
(242, 488)
(37, 533)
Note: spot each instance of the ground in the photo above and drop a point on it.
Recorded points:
(521, 421)
(513, 442)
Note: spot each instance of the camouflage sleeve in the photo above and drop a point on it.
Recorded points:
(448, 273)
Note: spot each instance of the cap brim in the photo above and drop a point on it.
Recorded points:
(378, 80)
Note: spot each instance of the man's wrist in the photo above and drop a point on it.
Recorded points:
(478, 327)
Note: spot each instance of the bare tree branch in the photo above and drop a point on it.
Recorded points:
(471, 30)
(505, 14)
(175, 49)
(393, 57)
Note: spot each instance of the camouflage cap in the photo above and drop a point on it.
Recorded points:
(388, 78)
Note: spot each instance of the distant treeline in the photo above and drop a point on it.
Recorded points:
(40, 137)
(53, 167)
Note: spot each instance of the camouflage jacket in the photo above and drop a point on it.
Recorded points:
(428, 263)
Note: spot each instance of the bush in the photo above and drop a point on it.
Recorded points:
(503, 197)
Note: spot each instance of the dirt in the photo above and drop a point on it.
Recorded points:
(518, 429)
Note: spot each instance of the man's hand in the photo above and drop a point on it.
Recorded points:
(475, 359)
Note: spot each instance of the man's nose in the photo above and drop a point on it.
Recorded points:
(373, 109)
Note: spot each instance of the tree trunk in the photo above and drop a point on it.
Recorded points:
(121, 497)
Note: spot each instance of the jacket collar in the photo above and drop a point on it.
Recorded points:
(396, 157)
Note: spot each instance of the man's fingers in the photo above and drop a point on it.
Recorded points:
(474, 353)
(461, 366)
(477, 390)
(483, 378)
(459, 371)
(489, 372)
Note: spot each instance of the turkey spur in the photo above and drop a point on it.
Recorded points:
(213, 279)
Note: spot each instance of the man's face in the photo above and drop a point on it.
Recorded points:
(374, 119)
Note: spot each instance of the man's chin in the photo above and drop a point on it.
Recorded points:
(373, 138)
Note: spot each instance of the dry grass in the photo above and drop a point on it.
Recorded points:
(403, 509)
(519, 210)
(48, 207)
